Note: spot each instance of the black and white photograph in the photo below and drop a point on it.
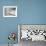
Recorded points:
(9, 11)
(29, 34)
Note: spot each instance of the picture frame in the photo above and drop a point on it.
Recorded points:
(39, 28)
(9, 11)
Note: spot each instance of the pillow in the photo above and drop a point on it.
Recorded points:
(24, 34)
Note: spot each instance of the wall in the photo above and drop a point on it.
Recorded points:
(29, 12)
(7, 25)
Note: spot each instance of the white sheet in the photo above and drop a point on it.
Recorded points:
(37, 37)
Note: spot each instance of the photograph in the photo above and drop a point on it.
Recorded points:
(28, 33)
(9, 11)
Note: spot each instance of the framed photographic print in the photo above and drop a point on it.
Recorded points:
(9, 11)
(32, 32)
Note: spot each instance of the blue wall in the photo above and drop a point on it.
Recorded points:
(29, 12)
